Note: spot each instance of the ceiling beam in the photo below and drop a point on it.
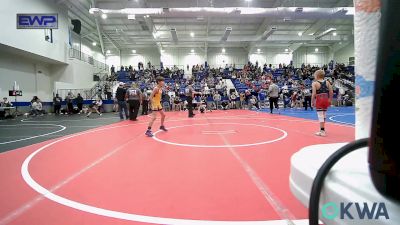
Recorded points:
(337, 46)
(115, 44)
(98, 30)
(314, 28)
(265, 25)
(293, 47)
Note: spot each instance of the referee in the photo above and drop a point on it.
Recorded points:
(189, 91)
(134, 96)
(273, 92)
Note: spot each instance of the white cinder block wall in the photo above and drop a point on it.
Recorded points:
(32, 40)
(33, 78)
(28, 68)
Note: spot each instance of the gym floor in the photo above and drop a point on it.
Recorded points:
(223, 167)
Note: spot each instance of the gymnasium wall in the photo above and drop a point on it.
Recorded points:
(87, 48)
(142, 55)
(343, 54)
(239, 56)
(76, 75)
(33, 40)
(182, 57)
(33, 77)
(273, 56)
(308, 55)
(216, 58)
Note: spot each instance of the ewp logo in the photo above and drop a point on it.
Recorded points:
(364, 211)
(37, 21)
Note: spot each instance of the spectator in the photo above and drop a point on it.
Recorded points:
(68, 99)
(79, 102)
(57, 104)
(34, 99)
(112, 70)
(6, 103)
(217, 99)
(145, 102)
(307, 97)
(37, 108)
(177, 103)
(232, 99)
(95, 106)
(120, 95)
(242, 98)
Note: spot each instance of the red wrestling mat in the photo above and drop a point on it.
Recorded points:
(225, 167)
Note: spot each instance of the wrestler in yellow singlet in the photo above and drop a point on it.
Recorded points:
(155, 99)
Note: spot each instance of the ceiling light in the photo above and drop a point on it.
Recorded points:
(299, 9)
(104, 16)
(147, 16)
(155, 35)
(108, 51)
(287, 19)
(133, 51)
(258, 50)
(132, 17)
(286, 50)
(93, 10)
(191, 34)
(223, 50)
(248, 0)
(326, 32)
(316, 50)
(228, 31)
(268, 33)
(334, 33)
(300, 34)
(94, 43)
(174, 35)
(192, 51)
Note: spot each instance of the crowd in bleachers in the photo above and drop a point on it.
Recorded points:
(251, 84)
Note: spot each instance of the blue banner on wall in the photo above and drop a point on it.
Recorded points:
(37, 21)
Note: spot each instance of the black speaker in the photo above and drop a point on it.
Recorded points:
(77, 26)
(384, 158)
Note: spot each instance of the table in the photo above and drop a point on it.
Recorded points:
(348, 181)
(9, 109)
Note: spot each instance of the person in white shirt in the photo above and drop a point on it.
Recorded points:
(306, 92)
(232, 100)
(37, 108)
(5, 103)
(217, 99)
